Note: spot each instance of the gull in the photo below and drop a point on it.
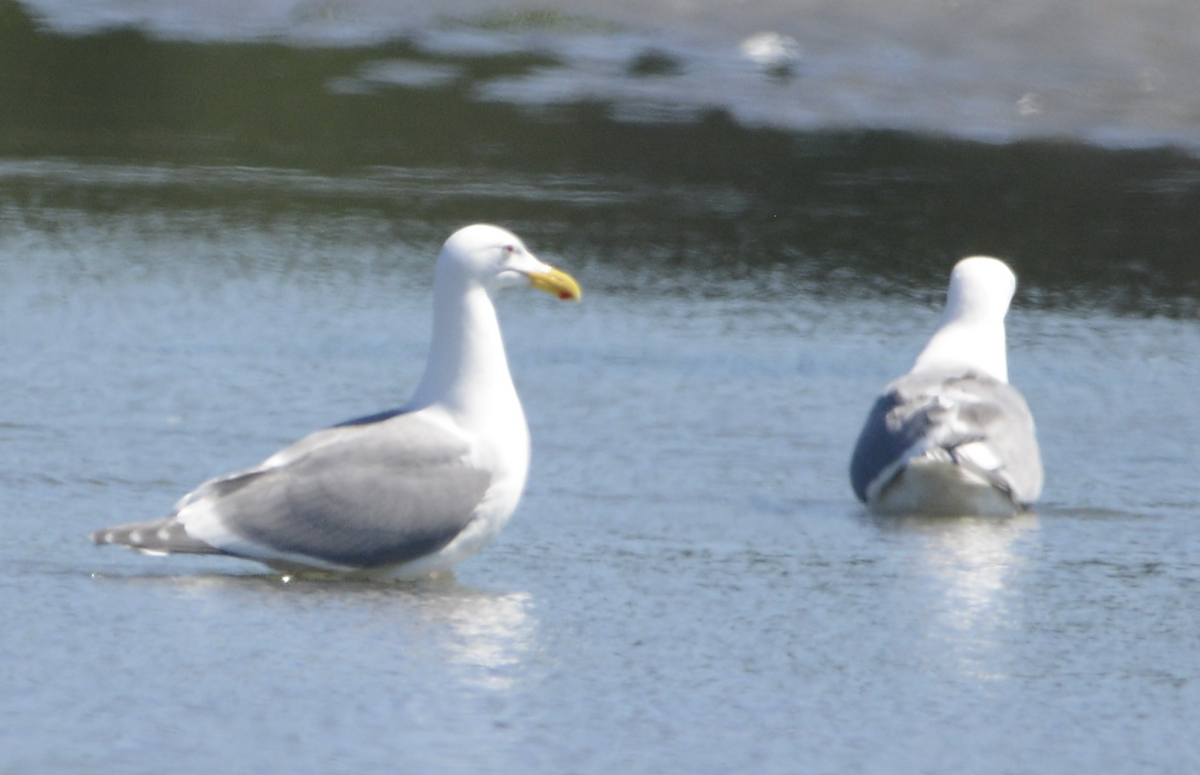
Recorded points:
(403, 493)
(952, 436)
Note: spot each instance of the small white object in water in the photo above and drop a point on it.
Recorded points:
(1030, 104)
(771, 51)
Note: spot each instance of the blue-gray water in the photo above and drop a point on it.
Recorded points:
(217, 228)
(688, 585)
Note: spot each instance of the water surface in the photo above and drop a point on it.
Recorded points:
(217, 228)
(688, 584)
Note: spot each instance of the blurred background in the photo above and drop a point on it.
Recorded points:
(853, 142)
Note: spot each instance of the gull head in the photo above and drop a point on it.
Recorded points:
(971, 334)
(981, 288)
(494, 258)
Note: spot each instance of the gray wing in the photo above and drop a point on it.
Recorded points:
(361, 495)
(979, 422)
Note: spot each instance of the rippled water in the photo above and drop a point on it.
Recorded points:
(688, 584)
(217, 226)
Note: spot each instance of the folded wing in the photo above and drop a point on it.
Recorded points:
(363, 495)
(975, 422)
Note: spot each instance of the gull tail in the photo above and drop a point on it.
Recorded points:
(159, 536)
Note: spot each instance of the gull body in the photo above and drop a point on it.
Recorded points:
(405, 492)
(952, 436)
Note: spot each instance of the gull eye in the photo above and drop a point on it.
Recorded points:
(510, 249)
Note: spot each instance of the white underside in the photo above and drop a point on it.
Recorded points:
(490, 516)
(941, 488)
(482, 529)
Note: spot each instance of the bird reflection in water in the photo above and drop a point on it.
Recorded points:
(484, 639)
(971, 565)
(489, 635)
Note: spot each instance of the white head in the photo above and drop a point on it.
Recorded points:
(467, 370)
(980, 288)
(971, 333)
(493, 258)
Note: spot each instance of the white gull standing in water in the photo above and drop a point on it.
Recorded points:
(406, 492)
(952, 437)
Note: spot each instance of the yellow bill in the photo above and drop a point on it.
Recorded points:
(557, 282)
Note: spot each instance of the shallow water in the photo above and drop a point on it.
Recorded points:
(688, 584)
(216, 235)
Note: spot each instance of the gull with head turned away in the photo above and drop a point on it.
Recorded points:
(952, 437)
(402, 493)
